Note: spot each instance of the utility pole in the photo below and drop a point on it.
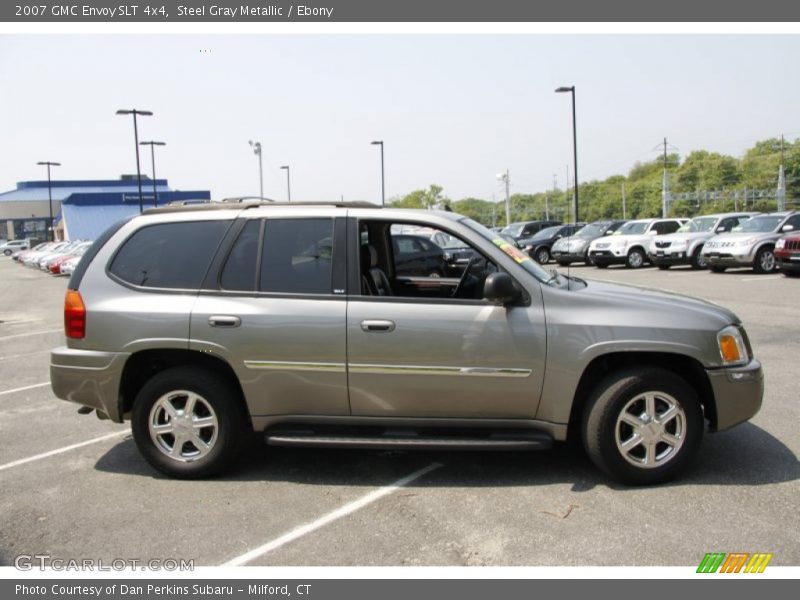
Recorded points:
(256, 146)
(566, 193)
(494, 211)
(781, 194)
(664, 186)
(51, 234)
(624, 210)
(508, 201)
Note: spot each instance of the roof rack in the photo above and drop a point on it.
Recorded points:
(247, 202)
(241, 199)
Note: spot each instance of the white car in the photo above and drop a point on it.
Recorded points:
(8, 248)
(628, 244)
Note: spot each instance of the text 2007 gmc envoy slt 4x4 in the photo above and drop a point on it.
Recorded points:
(199, 323)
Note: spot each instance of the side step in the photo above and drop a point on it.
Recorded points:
(529, 440)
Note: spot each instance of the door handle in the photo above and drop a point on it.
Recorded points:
(377, 326)
(224, 321)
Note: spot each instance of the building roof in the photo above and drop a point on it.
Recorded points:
(36, 191)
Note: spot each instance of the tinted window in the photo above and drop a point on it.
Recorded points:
(297, 256)
(171, 255)
(239, 272)
(794, 222)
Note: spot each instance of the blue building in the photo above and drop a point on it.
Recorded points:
(81, 209)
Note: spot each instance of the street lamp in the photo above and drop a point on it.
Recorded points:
(51, 234)
(383, 178)
(153, 156)
(288, 187)
(562, 90)
(256, 146)
(144, 113)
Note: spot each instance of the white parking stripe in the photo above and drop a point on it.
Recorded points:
(762, 278)
(24, 461)
(19, 335)
(22, 389)
(329, 518)
(13, 356)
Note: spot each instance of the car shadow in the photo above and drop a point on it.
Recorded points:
(747, 455)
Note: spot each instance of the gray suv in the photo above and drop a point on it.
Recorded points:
(201, 323)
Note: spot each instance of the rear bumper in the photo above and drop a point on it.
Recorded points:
(737, 393)
(89, 378)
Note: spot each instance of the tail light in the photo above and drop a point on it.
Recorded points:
(74, 315)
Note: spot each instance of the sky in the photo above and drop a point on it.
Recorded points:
(452, 109)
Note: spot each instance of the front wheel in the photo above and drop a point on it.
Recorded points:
(664, 267)
(542, 256)
(698, 261)
(717, 269)
(765, 261)
(7, 252)
(635, 259)
(643, 425)
(188, 423)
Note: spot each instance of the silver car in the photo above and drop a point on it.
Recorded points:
(200, 323)
(751, 244)
(575, 248)
(684, 247)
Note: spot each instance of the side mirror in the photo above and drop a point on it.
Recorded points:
(500, 289)
(608, 232)
(652, 232)
(722, 229)
(787, 228)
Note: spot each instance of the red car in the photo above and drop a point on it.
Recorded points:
(787, 254)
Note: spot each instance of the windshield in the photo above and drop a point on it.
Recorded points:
(547, 233)
(759, 224)
(593, 230)
(514, 229)
(632, 228)
(525, 261)
(699, 225)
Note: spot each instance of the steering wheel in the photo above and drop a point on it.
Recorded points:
(461, 281)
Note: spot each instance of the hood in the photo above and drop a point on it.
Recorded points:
(742, 235)
(638, 238)
(685, 236)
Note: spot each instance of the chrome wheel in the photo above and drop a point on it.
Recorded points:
(183, 425)
(767, 261)
(635, 259)
(650, 430)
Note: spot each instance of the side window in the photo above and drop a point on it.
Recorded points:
(297, 256)
(239, 272)
(669, 227)
(794, 221)
(169, 255)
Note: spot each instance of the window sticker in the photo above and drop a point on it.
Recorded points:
(514, 252)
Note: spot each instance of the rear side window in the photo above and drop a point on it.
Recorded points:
(169, 255)
(239, 273)
(296, 256)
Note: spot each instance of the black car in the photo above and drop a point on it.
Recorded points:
(526, 229)
(417, 256)
(538, 246)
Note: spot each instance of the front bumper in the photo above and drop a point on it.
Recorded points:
(788, 260)
(674, 258)
(609, 257)
(570, 256)
(89, 378)
(730, 257)
(738, 392)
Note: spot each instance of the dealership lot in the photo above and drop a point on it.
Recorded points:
(74, 487)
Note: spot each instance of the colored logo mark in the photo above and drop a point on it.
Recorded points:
(734, 562)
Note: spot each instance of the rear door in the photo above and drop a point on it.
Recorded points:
(274, 308)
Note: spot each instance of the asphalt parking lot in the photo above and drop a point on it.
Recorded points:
(72, 486)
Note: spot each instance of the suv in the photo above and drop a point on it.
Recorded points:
(787, 254)
(526, 229)
(575, 248)
(627, 245)
(540, 244)
(8, 248)
(684, 247)
(201, 323)
(751, 244)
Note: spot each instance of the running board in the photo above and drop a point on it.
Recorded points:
(525, 441)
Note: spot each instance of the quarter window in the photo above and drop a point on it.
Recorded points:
(297, 256)
(169, 255)
(239, 272)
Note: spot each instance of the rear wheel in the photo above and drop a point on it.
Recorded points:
(635, 259)
(643, 425)
(697, 260)
(765, 261)
(188, 423)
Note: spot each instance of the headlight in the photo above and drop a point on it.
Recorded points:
(780, 244)
(732, 348)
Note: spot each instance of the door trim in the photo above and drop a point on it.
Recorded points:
(373, 369)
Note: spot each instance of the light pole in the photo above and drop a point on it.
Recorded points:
(288, 186)
(562, 90)
(153, 157)
(256, 146)
(144, 113)
(51, 235)
(383, 178)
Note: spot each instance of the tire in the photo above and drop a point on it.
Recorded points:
(791, 273)
(635, 259)
(717, 269)
(601, 265)
(614, 408)
(697, 261)
(562, 263)
(435, 273)
(664, 267)
(542, 255)
(215, 400)
(7, 252)
(764, 261)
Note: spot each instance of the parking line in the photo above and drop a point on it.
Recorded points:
(762, 278)
(24, 461)
(22, 389)
(343, 511)
(19, 335)
(12, 356)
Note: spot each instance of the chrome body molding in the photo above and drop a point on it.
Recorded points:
(438, 370)
(278, 365)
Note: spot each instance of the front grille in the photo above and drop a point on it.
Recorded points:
(791, 245)
(663, 244)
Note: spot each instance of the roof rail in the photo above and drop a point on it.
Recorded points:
(241, 199)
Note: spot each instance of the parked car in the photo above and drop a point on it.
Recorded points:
(575, 248)
(415, 255)
(538, 247)
(526, 229)
(69, 265)
(11, 246)
(684, 247)
(457, 253)
(54, 265)
(56, 253)
(787, 254)
(27, 256)
(197, 324)
(627, 245)
(750, 244)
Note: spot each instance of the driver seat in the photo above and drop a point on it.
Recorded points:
(374, 281)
